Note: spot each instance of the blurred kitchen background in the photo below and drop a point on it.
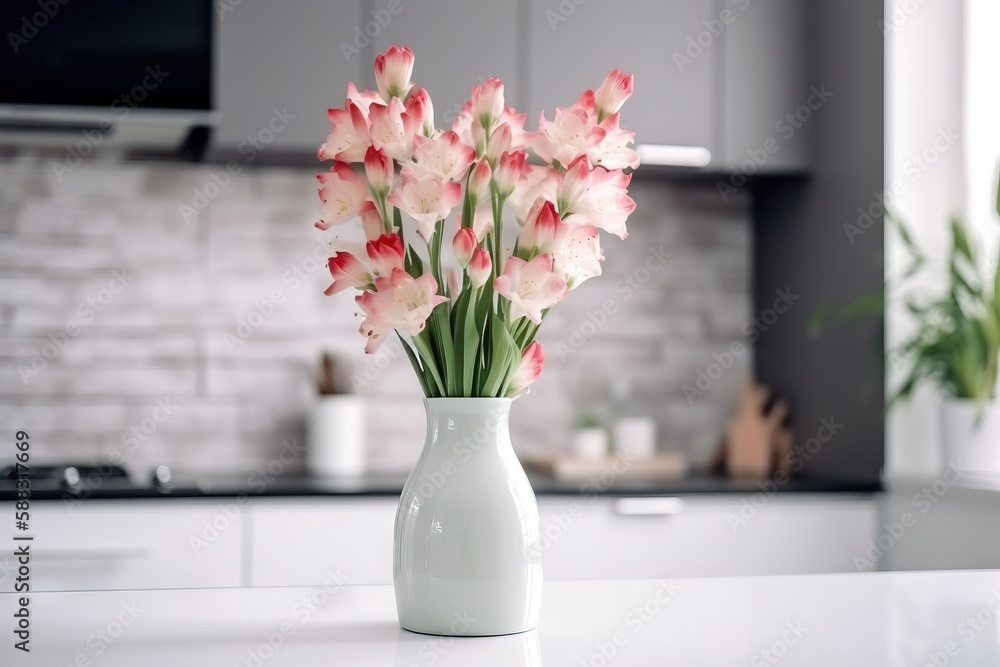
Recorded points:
(161, 284)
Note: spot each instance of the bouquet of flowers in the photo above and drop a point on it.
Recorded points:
(471, 333)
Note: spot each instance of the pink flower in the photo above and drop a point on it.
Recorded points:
(379, 168)
(531, 287)
(535, 182)
(519, 139)
(401, 303)
(464, 244)
(385, 254)
(363, 99)
(487, 102)
(348, 139)
(539, 232)
(347, 272)
(508, 172)
(342, 195)
(392, 72)
(479, 182)
(351, 268)
(444, 156)
(613, 152)
(427, 199)
(419, 104)
(498, 143)
(571, 134)
(393, 129)
(577, 253)
(532, 362)
(573, 183)
(482, 219)
(371, 221)
(480, 267)
(462, 125)
(605, 203)
(611, 95)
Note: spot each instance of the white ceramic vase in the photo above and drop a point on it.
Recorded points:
(467, 554)
(970, 434)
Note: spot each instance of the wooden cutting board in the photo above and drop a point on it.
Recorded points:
(566, 467)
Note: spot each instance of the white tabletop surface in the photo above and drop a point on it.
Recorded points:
(884, 619)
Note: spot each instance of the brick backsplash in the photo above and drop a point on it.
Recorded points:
(149, 292)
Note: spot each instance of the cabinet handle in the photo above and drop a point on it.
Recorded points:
(648, 506)
(123, 553)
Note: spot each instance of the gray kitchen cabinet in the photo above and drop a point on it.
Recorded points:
(573, 45)
(457, 44)
(767, 98)
(281, 65)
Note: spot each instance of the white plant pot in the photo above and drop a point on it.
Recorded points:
(590, 444)
(970, 436)
(467, 556)
(336, 443)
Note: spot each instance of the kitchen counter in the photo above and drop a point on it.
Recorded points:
(883, 620)
(255, 484)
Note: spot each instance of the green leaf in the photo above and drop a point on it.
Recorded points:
(960, 240)
(415, 363)
(998, 194)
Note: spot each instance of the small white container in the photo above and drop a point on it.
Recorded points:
(336, 443)
(635, 437)
(971, 437)
(590, 444)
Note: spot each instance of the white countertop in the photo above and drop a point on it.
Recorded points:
(883, 619)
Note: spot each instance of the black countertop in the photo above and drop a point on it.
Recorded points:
(391, 484)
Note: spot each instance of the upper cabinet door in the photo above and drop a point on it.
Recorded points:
(289, 61)
(574, 45)
(457, 44)
(768, 99)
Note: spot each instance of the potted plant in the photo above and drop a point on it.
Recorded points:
(466, 298)
(955, 348)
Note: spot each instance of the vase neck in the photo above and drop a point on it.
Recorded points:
(480, 423)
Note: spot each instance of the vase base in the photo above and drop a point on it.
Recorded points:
(446, 633)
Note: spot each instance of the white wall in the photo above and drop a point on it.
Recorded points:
(941, 63)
